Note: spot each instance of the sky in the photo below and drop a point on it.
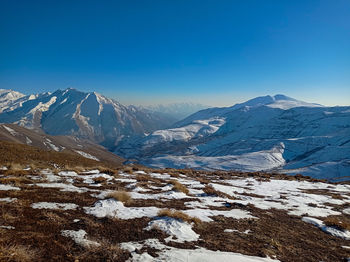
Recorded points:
(215, 53)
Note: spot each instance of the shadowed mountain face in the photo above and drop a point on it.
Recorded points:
(274, 133)
(67, 144)
(85, 115)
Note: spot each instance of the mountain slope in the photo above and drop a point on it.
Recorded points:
(266, 133)
(85, 115)
(8, 99)
(67, 144)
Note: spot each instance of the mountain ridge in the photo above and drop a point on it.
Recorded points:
(253, 136)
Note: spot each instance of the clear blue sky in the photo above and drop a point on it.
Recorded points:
(213, 52)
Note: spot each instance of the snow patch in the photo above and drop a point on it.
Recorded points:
(182, 231)
(86, 155)
(114, 208)
(330, 230)
(52, 205)
(79, 237)
(10, 130)
(8, 187)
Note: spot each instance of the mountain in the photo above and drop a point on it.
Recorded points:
(67, 144)
(85, 115)
(177, 111)
(8, 99)
(270, 133)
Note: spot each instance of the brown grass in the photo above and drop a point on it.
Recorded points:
(209, 190)
(128, 169)
(17, 156)
(99, 179)
(109, 252)
(15, 166)
(179, 187)
(107, 171)
(178, 215)
(16, 180)
(121, 196)
(203, 180)
(337, 223)
(17, 253)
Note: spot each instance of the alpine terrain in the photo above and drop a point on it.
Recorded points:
(85, 115)
(269, 133)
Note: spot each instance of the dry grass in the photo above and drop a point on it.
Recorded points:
(203, 180)
(76, 169)
(174, 174)
(178, 215)
(109, 252)
(121, 196)
(17, 253)
(128, 170)
(107, 171)
(179, 187)
(17, 156)
(99, 179)
(16, 180)
(15, 166)
(143, 178)
(337, 223)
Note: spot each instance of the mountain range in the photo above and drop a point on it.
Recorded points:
(85, 115)
(268, 133)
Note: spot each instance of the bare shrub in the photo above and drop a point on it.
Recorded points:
(121, 196)
(337, 223)
(179, 187)
(178, 215)
(99, 179)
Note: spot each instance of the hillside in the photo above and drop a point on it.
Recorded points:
(71, 145)
(171, 215)
(278, 133)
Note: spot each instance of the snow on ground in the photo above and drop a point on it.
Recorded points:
(51, 205)
(182, 231)
(255, 161)
(171, 254)
(283, 194)
(79, 237)
(7, 227)
(235, 230)
(10, 130)
(114, 208)
(301, 198)
(206, 214)
(86, 155)
(8, 199)
(64, 187)
(330, 230)
(8, 187)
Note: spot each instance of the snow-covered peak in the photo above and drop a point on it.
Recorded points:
(8, 97)
(6, 94)
(277, 101)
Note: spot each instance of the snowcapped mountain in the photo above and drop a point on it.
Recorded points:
(85, 115)
(270, 133)
(8, 99)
